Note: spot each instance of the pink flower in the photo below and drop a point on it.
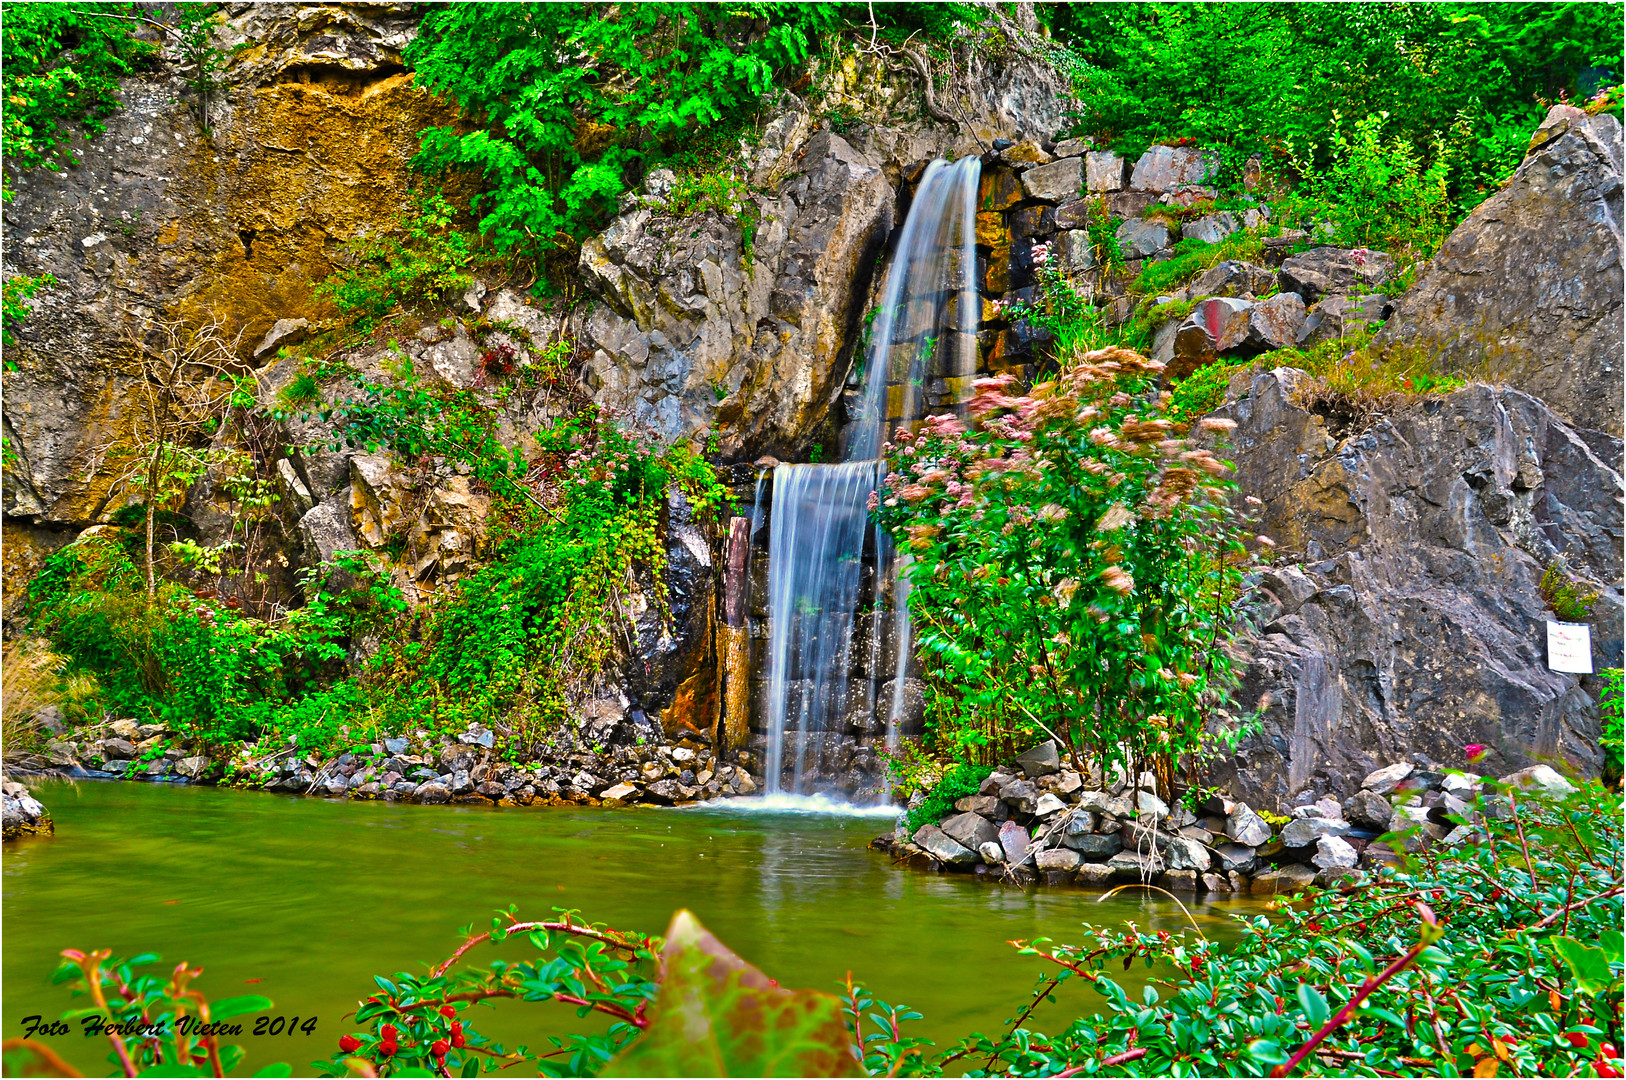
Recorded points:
(1474, 751)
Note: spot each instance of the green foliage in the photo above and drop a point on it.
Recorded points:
(722, 194)
(1612, 724)
(1376, 193)
(576, 99)
(425, 256)
(61, 66)
(1353, 375)
(1570, 598)
(196, 665)
(18, 289)
(957, 783)
(1192, 257)
(1201, 392)
(1456, 81)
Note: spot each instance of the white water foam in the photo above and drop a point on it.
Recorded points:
(785, 803)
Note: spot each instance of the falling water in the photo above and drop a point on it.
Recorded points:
(924, 329)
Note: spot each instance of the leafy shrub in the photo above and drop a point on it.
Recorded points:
(1354, 377)
(1612, 724)
(1074, 566)
(1201, 392)
(575, 99)
(1376, 192)
(721, 193)
(1192, 257)
(957, 783)
(1570, 598)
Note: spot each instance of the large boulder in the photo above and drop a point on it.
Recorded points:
(1421, 532)
(1333, 271)
(1529, 287)
(1164, 168)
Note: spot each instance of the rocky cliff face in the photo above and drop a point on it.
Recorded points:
(1529, 288)
(305, 150)
(1403, 616)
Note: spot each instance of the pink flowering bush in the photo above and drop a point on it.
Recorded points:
(1075, 559)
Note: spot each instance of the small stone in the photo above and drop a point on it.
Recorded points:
(1058, 859)
(991, 852)
(1014, 840)
(1138, 238)
(433, 792)
(1235, 857)
(1129, 865)
(1021, 795)
(192, 768)
(1080, 823)
(1048, 806)
(986, 805)
(1216, 883)
(1461, 785)
(1103, 171)
(395, 746)
(1041, 760)
(1246, 827)
(1057, 182)
(1093, 874)
(940, 846)
(1542, 778)
(1095, 846)
(620, 793)
(1068, 782)
(1096, 801)
(282, 332)
(1369, 810)
(1333, 852)
(1188, 855)
(1306, 831)
(1179, 880)
(970, 830)
(1388, 778)
(127, 729)
(1211, 229)
(1149, 805)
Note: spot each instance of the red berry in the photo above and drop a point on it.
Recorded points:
(1606, 1069)
(387, 1048)
(349, 1043)
(457, 1035)
(440, 1048)
(1608, 1050)
(448, 1011)
(1576, 1039)
(387, 1032)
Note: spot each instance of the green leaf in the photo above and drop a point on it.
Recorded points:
(174, 1070)
(1590, 966)
(227, 1008)
(1315, 1006)
(716, 1015)
(276, 1068)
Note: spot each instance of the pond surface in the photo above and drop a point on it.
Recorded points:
(304, 900)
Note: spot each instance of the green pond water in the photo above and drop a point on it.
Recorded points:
(304, 900)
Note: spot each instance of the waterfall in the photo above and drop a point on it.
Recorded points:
(922, 353)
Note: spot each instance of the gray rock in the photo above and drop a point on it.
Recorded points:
(282, 332)
(1246, 827)
(1304, 832)
(1093, 874)
(1164, 168)
(1325, 271)
(118, 748)
(1211, 229)
(1072, 148)
(1149, 805)
(1338, 316)
(1288, 878)
(1064, 859)
(1369, 810)
(192, 768)
(1020, 795)
(1274, 323)
(1423, 634)
(1097, 801)
(1541, 778)
(1056, 182)
(986, 805)
(1134, 866)
(395, 745)
(1462, 785)
(458, 758)
(991, 852)
(1015, 842)
(1332, 852)
(970, 830)
(461, 783)
(1080, 823)
(1216, 883)
(1184, 854)
(1048, 806)
(1530, 283)
(1384, 780)
(1216, 325)
(1041, 760)
(1232, 278)
(1236, 857)
(940, 846)
(1178, 880)
(1104, 171)
(1095, 846)
(1138, 238)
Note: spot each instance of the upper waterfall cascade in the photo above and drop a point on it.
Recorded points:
(922, 354)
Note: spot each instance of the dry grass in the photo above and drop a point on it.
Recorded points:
(31, 677)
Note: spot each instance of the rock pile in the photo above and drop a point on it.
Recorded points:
(1036, 819)
(20, 813)
(611, 762)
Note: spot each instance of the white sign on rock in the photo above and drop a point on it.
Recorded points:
(1569, 647)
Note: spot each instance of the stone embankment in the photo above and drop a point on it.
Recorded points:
(1036, 820)
(610, 763)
